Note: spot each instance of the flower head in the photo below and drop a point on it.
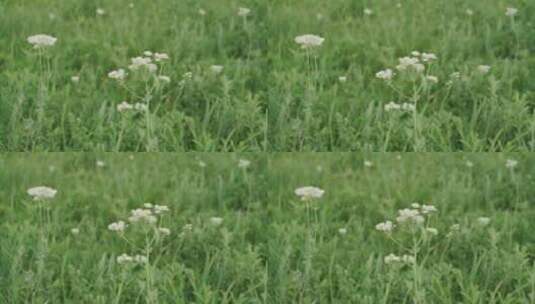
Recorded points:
(386, 226)
(308, 193)
(119, 74)
(42, 193)
(119, 226)
(511, 12)
(243, 11)
(387, 74)
(309, 41)
(42, 40)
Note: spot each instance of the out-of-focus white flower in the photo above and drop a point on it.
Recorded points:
(410, 63)
(368, 12)
(511, 12)
(427, 57)
(469, 12)
(416, 205)
(141, 259)
(243, 11)
(124, 106)
(243, 163)
(101, 12)
(406, 107)
(165, 79)
(368, 164)
(386, 226)
(141, 107)
(75, 231)
(124, 258)
(511, 163)
(202, 12)
(148, 205)
(42, 193)
(342, 231)
(483, 221)
(41, 40)
(100, 164)
(426, 209)
(308, 193)
(142, 215)
(309, 41)
(469, 164)
(119, 226)
(131, 5)
(217, 69)
(143, 62)
(342, 79)
(119, 74)
(410, 215)
(483, 69)
(431, 230)
(216, 221)
(455, 227)
(409, 259)
(160, 57)
(431, 78)
(158, 209)
(202, 164)
(147, 53)
(392, 258)
(75, 79)
(387, 74)
(164, 231)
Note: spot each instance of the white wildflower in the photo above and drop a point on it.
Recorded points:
(511, 12)
(75, 231)
(41, 40)
(387, 74)
(342, 79)
(119, 74)
(164, 231)
(165, 79)
(216, 69)
(124, 258)
(216, 221)
(124, 106)
(160, 57)
(483, 69)
(243, 163)
(42, 192)
(75, 79)
(309, 193)
(142, 215)
(386, 226)
(309, 41)
(243, 11)
(342, 231)
(483, 221)
(119, 226)
(511, 163)
(431, 230)
(410, 215)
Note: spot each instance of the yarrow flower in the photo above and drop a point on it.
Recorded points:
(483, 69)
(243, 163)
(119, 74)
(387, 74)
(511, 12)
(342, 231)
(243, 11)
(483, 221)
(124, 106)
(410, 215)
(308, 193)
(42, 193)
(41, 40)
(216, 69)
(216, 221)
(406, 63)
(511, 163)
(392, 258)
(309, 41)
(143, 62)
(142, 215)
(386, 226)
(405, 107)
(119, 226)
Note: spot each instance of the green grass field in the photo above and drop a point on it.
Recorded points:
(271, 95)
(239, 234)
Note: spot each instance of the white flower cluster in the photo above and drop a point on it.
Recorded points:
(511, 163)
(309, 193)
(405, 107)
(119, 226)
(146, 62)
(309, 41)
(42, 193)
(405, 259)
(126, 106)
(126, 259)
(415, 62)
(244, 163)
(416, 215)
(41, 41)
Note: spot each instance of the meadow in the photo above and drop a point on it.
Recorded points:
(229, 75)
(240, 228)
